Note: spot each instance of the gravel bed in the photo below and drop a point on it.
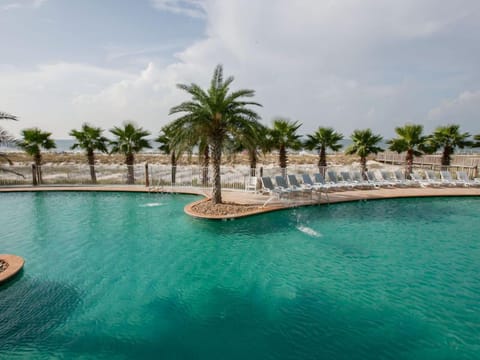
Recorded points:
(3, 266)
(209, 209)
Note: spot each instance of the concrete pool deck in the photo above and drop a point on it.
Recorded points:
(264, 203)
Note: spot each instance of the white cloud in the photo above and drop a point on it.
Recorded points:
(16, 4)
(43, 96)
(463, 110)
(346, 64)
(192, 8)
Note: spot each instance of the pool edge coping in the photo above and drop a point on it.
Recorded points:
(335, 197)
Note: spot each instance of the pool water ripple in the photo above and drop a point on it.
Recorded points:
(118, 277)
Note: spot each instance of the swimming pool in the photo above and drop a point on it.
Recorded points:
(123, 275)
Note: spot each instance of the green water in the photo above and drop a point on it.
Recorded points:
(129, 276)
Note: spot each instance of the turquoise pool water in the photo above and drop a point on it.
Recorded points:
(129, 276)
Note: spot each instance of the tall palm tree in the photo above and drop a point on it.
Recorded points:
(364, 144)
(449, 138)
(32, 142)
(283, 136)
(214, 114)
(90, 139)
(130, 140)
(410, 140)
(324, 138)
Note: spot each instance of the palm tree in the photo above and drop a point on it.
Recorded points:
(90, 139)
(364, 144)
(449, 138)
(283, 136)
(129, 141)
(324, 138)
(6, 116)
(167, 145)
(214, 115)
(5, 137)
(411, 141)
(477, 140)
(33, 141)
(253, 140)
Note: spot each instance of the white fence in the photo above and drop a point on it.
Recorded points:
(232, 177)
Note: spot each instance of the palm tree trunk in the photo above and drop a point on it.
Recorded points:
(129, 161)
(217, 158)
(363, 164)
(91, 164)
(447, 151)
(38, 165)
(173, 160)
(252, 154)
(282, 159)
(205, 165)
(409, 161)
(322, 160)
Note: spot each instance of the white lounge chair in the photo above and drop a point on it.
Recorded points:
(348, 180)
(307, 181)
(294, 184)
(282, 184)
(269, 188)
(432, 178)
(446, 178)
(401, 179)
(416, 177)
(319, 179)
(357, 177)
(340, 184)
(372, 179)
(463, 179)
(388, 179)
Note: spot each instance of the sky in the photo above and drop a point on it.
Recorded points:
(347, 64)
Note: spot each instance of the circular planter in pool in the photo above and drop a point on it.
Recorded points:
(10, 265)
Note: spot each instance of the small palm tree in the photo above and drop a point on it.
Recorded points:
(283, 136)
(253, 140)
(90, 139)
(32, 142)
(129, 141)
(324, 138)
(5, 137)
(411, 141)
(364, 144)
(169, 147)
(477, 141)
(449, 138)
(213, 115)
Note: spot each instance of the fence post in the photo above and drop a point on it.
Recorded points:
(34, 175)
(147, 179)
